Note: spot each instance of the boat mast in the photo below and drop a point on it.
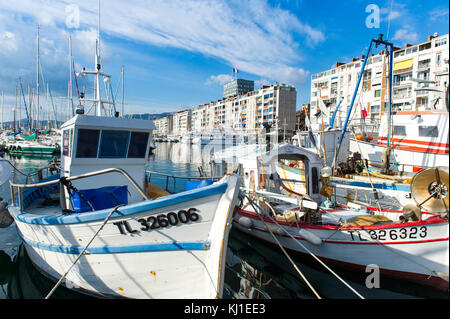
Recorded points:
(70, 98)
(15, 110)
(123, 90)
(37, 79)
(97, 101)
(98, 67)
(3, 104)
(377, 42)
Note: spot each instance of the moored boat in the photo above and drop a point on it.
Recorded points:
(95, 218)
(411, 243)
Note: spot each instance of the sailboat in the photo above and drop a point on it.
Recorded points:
(30, 144)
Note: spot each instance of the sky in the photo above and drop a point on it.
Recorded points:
(177, 54)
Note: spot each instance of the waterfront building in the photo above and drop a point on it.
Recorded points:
(164, 125)
(237, 86)
(420, 76)
(248, 112)
(182, 122)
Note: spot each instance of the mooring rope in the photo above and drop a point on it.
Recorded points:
(84, 250)
(284, 251)
(313, 255)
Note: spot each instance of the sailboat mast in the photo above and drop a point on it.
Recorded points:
(15, 110)
(37, 79)
(3, 104)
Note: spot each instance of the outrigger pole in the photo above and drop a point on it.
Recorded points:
(361, 73)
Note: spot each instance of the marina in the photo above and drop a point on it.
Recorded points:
(250, 196)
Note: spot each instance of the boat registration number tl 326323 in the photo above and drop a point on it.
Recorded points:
(393, 234)
(160, 221)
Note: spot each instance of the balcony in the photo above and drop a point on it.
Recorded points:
(401, 96)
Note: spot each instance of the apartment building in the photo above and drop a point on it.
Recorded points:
(249, 111)
(245, 112)
(181, 122)
(420, 77)
(164, 125)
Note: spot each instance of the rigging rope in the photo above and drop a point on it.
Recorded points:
(305, 248)
(82, 253)
(282, 249)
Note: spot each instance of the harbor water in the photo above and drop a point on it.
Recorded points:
(254, 269)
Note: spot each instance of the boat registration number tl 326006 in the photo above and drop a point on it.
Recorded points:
(160, 220)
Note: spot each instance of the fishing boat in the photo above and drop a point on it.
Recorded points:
(411, 243)
(380, 166)
(420, 140)
(91, 227)
(96, 221)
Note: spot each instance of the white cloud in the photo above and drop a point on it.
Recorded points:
(393, 11)
(406, 35)
(247, 34)
(440, 13)
(8, 41)
(219, 79)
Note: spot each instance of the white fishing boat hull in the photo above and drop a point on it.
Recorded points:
(415, 251)
(182, 257)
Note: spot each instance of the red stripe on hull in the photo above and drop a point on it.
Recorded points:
(416, 149)
(426, 280)
(404, 140)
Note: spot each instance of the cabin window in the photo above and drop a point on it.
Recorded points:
(67, 139)
(400, 130)
(87, 143)
(138, 145)
(114, 144)
(428, 131)
(315, 180)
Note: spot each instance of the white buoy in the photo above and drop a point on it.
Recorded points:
(245, 221)
(274, 229)
(310, 237)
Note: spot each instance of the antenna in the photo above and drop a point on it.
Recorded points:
(98, 28)
(98, 62)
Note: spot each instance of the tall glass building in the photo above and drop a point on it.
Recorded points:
(237, 86)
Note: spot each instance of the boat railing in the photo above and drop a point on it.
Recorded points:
(149, 174)
(21, 187)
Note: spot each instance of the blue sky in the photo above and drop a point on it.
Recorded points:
(178, 53)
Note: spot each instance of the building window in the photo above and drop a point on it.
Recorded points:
(440, 42)
(374, 109)
(422, 101)
(377, 93)
(438, 59)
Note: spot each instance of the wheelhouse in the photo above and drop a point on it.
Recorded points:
(91, 143)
